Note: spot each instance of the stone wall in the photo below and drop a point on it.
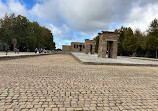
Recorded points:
(66, 48)
(77, 47)
(108, 44)
(89, 46)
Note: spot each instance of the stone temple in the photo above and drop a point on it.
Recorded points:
(108, 45)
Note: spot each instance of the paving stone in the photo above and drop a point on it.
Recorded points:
(59, 82)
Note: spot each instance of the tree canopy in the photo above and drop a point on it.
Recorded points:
(19, 32)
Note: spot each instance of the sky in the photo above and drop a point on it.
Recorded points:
(76, 20)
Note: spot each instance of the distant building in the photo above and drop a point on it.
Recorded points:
(74, 47)
(87, 47)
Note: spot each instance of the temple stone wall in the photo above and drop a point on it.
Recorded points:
(66, 48)
(108, 44)
(89, 46)
(77, 47)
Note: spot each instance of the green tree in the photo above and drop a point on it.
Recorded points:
(7, 24)
(97, 43)
(140, 43)
(25, 35)
(124, 41)
(121, 36)
(152, 37)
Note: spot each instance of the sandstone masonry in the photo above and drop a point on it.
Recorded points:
(87, 47)
(108, 44)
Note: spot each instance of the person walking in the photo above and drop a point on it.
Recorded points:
(6, 50)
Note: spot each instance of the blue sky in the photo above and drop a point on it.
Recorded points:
(29, 3)
(76, 20)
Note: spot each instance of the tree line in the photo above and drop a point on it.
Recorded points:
(19, 32)
(137, 43)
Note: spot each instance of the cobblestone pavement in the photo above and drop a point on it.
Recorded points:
(60, 83)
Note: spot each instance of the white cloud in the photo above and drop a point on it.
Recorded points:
(12, 6)
(89, 16)
(83, 15)
(16, 7)
(141, 17)
(65, 35)
(62, 32)
(47, 10)
(3, 9)
(73, 20)
(93, 15)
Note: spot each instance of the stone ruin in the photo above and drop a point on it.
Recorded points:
(87, 47)
(74, 47)
(77, 47)
(108, 44)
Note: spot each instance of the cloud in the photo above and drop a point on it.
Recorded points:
(16, 7)
(62, 32)
(46, 10)
(3, 9)
(12, 6)
(141, 16)
(75, 20)
(84, 15)
(94, 15)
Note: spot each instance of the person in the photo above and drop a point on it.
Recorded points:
(15, 50)
(40, 51)
(36, 50)
(6, 50)
(44, 51)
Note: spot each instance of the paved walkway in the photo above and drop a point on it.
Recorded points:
(60, 83)
(128, 61)
(12, 54)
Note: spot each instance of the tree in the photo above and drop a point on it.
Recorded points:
(121, 36)
(125, 41)
(7, 24)
(97, 43)
(25, 35)
(140, 43)
(152, 37)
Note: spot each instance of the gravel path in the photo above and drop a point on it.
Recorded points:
(60, 83)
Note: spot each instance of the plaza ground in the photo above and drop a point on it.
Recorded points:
(13, 55)
(93, 59)
(60, 83)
